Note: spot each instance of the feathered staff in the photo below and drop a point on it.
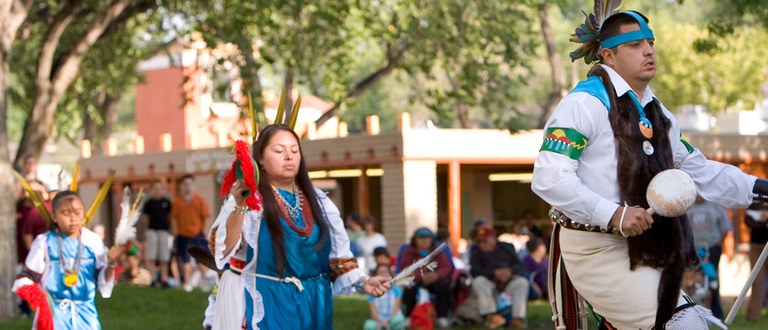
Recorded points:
(126, 228)
(37, 200)
(406, 276)
(586, 34)
(100, 195)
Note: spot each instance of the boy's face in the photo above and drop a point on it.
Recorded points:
(382, 259)
(69, 216)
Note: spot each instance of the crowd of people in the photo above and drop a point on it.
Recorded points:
(282, 250)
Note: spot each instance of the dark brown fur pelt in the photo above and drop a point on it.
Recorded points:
(668, 244)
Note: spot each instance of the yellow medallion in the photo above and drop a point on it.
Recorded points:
(70, 280)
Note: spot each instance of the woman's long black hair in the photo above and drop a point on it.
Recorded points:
(271, 213)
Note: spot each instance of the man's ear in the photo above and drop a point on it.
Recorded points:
(608, 56)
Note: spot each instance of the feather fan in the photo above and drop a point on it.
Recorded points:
(126, 229)
(405, 277)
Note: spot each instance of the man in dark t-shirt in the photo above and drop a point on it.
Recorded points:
(158, 251)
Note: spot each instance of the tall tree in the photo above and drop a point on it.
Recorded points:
(57, 54)
(58, 64)
(12, 15)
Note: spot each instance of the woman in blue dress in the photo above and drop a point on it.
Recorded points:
(64, 268)
(287, 257)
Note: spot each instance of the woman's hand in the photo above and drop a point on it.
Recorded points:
(237, 192)
(376, 286)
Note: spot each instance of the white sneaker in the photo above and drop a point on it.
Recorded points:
(187, 287)
(443, 323)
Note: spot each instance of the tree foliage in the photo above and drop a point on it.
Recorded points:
(727, 79)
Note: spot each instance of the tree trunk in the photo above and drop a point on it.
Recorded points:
(558, 72)
(110, 106)
(7, 199)
(12, 15)
(54, 76)
(290, 77)
(252, 82)
(91, 125)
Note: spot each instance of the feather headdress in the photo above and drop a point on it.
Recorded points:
(586, 33)
(244, 166)
(126, 228)
(405, 277)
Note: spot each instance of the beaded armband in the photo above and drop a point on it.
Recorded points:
(342, 266)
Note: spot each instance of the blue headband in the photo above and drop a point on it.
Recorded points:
(643, 33)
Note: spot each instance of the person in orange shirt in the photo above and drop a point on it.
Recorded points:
(189, 217)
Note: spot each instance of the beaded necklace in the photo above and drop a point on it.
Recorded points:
(291, 213)
(70, 274)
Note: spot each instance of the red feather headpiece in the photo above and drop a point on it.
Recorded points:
(244, 167)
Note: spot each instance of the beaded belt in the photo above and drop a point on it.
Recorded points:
(563, 220)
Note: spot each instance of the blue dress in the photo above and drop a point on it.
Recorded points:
(284, 306)
(73, 307)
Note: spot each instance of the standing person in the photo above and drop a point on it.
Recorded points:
(64, 268)
(189, 215)
(437, 281)
(158, 251)
(710, 224)
(757, 221)
(603, 144)
(369, 241)
(283, 252)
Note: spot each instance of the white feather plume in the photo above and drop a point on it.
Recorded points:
(126, 229)
(405, 277)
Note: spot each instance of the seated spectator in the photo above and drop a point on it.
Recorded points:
(437, 282)
(385, 310)
(497, 270)
(132, 272)
(537, 265)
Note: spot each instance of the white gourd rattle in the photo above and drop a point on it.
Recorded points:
(671, 193)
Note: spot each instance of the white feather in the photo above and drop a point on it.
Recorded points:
(407, 273)
(126, 229)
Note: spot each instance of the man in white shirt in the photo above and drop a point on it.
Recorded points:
(603, 144)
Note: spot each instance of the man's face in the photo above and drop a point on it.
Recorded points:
(187, 187)
(487, 244)
(157, 189)
(635, 61)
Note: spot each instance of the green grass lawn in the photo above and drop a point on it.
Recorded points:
(149, 309)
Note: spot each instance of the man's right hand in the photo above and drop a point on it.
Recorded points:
(636, 220)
